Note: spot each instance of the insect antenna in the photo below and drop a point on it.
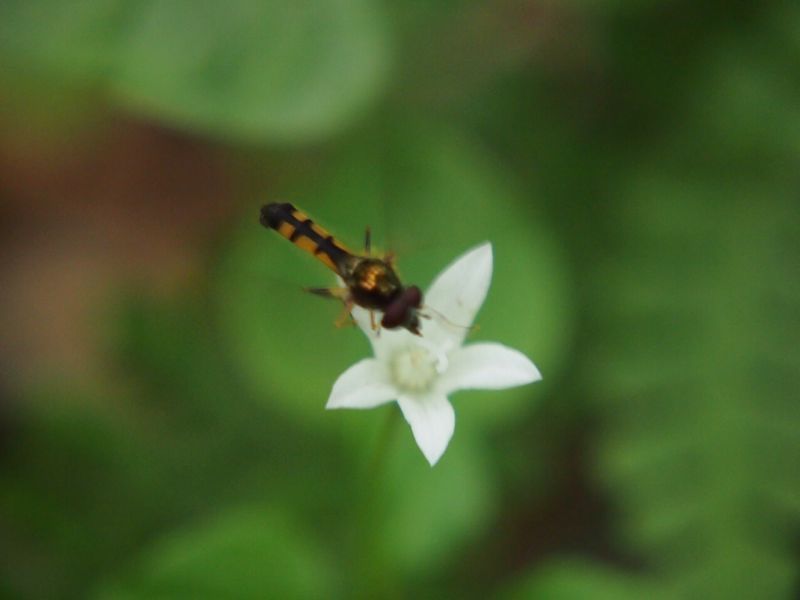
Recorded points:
(444, 319)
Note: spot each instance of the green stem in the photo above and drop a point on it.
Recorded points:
(379, 457)
(375, 576)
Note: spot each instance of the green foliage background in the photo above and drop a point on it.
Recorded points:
(635, 165)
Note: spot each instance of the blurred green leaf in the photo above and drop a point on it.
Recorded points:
(69, 38)
(171, 347)
(424, 185)
(428, 514)
(284, 70)
(786, 20)
(76, 480)
(699, 364)
(253, 552)
(215, 442)
(746, 103)
(279, 70)
(579, 580)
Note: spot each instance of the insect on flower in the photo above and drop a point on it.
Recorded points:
(421, 373)
(370, 281)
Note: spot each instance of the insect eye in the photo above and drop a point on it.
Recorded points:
(399, 312)
(413, 296)
(395, 313)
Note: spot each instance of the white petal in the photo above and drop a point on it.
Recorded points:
(382, 345)
(457, 294)
(361, 317)
(384, 341)
(432, 421)
(489, 366)
(364, 385)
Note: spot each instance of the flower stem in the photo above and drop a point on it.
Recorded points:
(379, 457)
(375, 578)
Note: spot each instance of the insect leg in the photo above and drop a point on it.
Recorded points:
(368, 240)
(346, 317)
(376, 327)
(338, 293)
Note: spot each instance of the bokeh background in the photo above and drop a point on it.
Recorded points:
(163, 377)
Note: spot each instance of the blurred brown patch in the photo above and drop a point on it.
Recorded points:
(126, 202)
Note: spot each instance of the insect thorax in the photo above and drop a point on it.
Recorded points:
(372, 282)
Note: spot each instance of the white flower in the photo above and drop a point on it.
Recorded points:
(420, 372)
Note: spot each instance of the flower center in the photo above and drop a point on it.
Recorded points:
(415, 368)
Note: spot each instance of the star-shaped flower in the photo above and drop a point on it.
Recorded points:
(420, 372)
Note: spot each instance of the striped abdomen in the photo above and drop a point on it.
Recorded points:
(296, 227)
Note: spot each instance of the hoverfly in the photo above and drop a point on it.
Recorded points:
(370, 282)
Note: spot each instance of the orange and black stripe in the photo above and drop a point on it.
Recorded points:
(296, 227)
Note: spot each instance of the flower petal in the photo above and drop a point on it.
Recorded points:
(457, 294)
(364, 385)
(432, 421)
(488, 366)
(384, 341)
